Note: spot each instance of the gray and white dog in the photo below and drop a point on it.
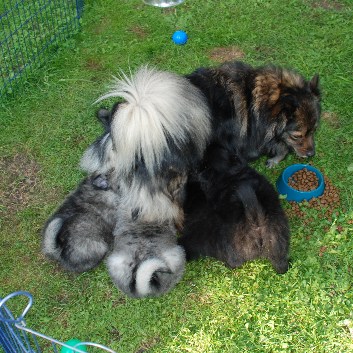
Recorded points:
(146, 260)
(158, 134)
(143, 257)
(131, 202)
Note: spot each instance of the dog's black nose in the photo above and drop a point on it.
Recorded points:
(310, 153)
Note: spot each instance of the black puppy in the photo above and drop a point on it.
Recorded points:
(232, 213)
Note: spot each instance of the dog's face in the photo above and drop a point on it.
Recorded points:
(299, 133)
(301, 108)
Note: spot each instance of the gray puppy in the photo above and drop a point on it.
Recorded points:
(79, 233)
(146, 260)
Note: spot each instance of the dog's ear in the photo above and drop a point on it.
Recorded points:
(314, 85)
(103, 116)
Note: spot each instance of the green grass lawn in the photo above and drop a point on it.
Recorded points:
(47, 124)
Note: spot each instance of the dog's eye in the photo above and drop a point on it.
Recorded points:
(296, 136)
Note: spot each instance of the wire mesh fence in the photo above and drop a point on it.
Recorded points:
(29, 29)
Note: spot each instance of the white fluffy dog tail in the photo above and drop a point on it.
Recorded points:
(159, 107)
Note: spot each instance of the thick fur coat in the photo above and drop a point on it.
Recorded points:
(232, 213)
(146, 260)
(262, 111)
(143, 258)
(158, 134)
(79, 233)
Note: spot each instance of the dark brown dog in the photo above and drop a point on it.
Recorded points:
(262, 111)
(233, 214)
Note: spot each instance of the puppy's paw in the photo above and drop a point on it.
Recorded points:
(100, 182)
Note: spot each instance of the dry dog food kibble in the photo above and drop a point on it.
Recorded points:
(304, 180)
(328, 202)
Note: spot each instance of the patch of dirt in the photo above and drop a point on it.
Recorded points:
(19, 181)
(145, 346)
(322, 250)
(222, 54)
(94, 65)
(331, 118)
(140, 31)
(328, 5)
(115, 334)
(102, 25)
(21, 187)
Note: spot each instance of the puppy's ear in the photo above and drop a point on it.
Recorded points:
(314, 85)
(103, 116)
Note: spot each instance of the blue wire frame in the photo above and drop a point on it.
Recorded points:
(28, 30)
(15, 337)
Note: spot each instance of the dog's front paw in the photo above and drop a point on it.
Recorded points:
(272, 162)
(100, 182)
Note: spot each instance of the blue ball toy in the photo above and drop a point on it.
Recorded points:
(180, 37)
(72, 343)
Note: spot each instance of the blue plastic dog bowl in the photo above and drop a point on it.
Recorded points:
(296, 195)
